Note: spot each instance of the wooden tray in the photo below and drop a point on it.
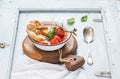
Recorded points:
(99, 47)
(48, 56)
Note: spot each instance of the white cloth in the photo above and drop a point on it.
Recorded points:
(27, 68)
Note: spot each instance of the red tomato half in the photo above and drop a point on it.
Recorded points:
(59, 31)
(55, 40)
(56, 37)
(52, 41)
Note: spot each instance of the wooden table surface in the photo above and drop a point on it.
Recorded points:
(8, 14)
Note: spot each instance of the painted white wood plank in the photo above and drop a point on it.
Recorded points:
(113, 37)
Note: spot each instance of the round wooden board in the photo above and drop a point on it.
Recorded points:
(48, 56)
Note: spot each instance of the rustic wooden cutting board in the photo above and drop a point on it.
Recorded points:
(48, 56)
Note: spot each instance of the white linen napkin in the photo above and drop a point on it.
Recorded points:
(27, 68)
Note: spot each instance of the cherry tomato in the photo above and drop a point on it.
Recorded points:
(56, 37)
(59, 31)
(52, 41)
(55, 40)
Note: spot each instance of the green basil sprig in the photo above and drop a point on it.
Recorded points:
(70, 21)
(51, 32)
(84, 18)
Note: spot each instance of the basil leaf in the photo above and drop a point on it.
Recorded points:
(51, 32)
(84, 18)
(71, 21)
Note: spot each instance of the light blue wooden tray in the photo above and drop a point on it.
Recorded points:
(99, 47)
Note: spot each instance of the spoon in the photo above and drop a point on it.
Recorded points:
(88, 34)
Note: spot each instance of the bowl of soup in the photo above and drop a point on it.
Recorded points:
(48, 36)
